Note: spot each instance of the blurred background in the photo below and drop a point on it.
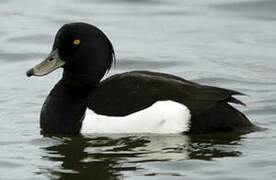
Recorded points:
(226, 43)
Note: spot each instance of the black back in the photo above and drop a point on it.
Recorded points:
(126, 93)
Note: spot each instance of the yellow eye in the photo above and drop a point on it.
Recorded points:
(76, 42)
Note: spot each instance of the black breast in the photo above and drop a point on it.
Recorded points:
(62, 111)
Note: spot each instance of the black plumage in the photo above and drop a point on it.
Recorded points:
(86, 62)
(126, 93)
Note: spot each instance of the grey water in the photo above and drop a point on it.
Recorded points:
(225, 43)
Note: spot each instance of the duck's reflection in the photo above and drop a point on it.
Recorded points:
(107, 157)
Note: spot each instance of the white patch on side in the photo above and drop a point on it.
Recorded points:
(162, 117)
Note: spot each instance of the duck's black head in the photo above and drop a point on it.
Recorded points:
(84, 52)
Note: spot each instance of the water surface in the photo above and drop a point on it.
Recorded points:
(226, 43)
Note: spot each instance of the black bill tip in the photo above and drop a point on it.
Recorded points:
(30, 72)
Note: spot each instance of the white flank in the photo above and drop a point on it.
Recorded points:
(162, 117)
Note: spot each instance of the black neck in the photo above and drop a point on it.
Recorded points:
(78, 84)
(64, 109)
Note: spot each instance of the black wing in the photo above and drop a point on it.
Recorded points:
(126, 93)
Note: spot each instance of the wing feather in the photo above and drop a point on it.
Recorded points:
(125, 93)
